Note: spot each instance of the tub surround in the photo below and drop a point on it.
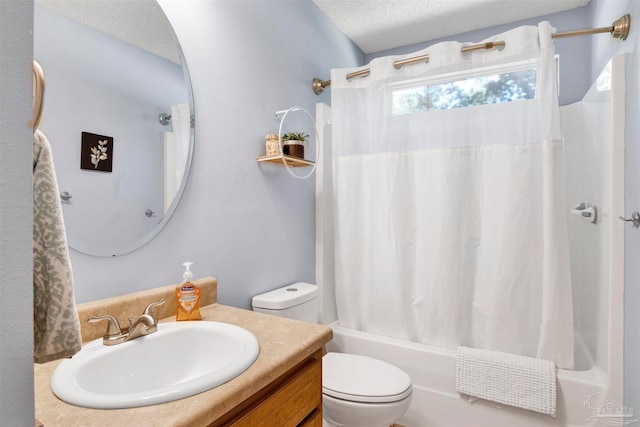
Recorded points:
(436, 403)
(289, 361)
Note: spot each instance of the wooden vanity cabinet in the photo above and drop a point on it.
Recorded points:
(292, 400)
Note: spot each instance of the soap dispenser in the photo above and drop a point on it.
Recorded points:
(188, 296)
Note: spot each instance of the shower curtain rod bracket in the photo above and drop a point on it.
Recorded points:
(621, 27)
(319, 85)
(619, 30)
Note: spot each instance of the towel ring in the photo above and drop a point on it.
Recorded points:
(38, 94)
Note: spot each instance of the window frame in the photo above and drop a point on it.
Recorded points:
(444, 78)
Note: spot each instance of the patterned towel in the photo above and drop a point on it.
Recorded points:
(56, 329)
(509, 379)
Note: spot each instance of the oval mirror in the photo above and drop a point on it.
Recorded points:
(118, 114)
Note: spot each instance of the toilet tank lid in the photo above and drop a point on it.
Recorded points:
(286, 297)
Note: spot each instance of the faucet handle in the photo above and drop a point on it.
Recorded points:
(153, 304)
(114, 327)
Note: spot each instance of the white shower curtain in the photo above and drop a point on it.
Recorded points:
(449, 223)
(176, 151)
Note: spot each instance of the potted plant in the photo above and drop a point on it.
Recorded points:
(293, 143)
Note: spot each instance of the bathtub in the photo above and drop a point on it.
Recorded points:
(435, 402)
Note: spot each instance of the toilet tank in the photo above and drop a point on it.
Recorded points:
(296, 301)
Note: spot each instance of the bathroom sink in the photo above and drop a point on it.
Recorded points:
(179, 360)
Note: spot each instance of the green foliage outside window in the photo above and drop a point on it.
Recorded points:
(473, 91)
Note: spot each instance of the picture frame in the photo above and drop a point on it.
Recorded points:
(96, 152)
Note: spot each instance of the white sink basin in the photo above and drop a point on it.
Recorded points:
(179, 360)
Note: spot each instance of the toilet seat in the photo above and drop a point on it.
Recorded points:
(363, 379)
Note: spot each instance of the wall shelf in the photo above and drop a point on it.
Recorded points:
(293, 162)
(289, 161)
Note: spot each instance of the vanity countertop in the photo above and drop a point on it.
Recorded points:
(283, 344)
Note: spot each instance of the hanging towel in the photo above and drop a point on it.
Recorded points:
(520, 381)
(56, 328)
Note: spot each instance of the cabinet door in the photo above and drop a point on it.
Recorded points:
(290, 403)
(313, 420)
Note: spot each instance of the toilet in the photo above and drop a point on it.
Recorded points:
(357, 391)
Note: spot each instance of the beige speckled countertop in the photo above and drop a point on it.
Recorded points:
(283, 344)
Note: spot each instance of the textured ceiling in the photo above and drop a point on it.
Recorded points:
(376, 25)
(373, 25)
(141, 23)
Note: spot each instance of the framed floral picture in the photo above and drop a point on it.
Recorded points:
(96, 152)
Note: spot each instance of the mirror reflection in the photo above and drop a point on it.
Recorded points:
(118, 114)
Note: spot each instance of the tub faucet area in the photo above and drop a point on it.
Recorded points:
(144, 325)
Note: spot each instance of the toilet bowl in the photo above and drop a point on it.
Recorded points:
(357, 391)
(360, 391)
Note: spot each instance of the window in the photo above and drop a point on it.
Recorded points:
(467, 91)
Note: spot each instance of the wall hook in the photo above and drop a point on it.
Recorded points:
(635, 219)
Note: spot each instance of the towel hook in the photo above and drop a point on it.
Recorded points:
(635, 219)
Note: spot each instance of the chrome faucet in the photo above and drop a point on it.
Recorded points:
(144, 325)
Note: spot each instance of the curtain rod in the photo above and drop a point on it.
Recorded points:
(619, 30)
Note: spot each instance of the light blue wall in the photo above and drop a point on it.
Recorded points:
(252, 226)
(249, 225)
(108, 87)
(16, 213)
(601, 14)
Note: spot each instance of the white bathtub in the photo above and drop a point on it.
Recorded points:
(594, 132)
(435, 401)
